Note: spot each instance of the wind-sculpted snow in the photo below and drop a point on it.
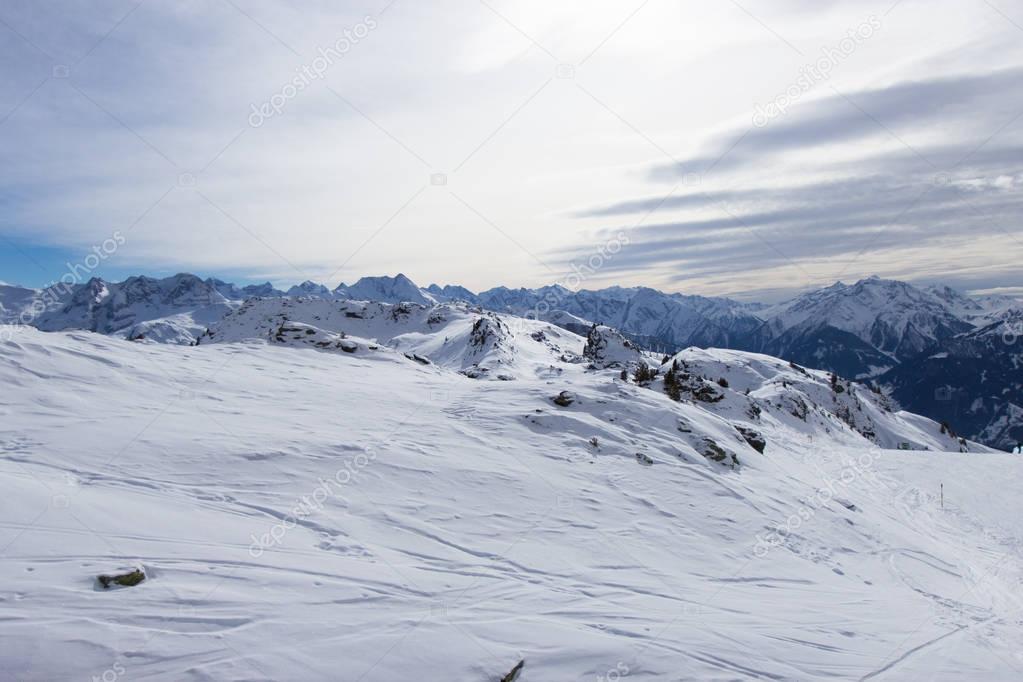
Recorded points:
(307, 502)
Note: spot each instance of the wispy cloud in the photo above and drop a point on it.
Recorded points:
(552, 122)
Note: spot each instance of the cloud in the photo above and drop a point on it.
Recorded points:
(845, 190)
(452, 143)
(984, 102)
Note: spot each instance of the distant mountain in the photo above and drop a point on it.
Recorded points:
(826, 347)
(659, 321)
(118, 308)
(894, 318)
(976, 309)
(310, 290)
(451, 293)
(14, 301)
(974, 382)
(397, 289)
(235, 293)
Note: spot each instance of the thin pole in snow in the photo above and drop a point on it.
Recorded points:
(942, 495)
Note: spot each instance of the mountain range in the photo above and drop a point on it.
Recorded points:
(951, 357)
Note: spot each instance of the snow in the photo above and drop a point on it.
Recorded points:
(397, 289)
(605, 348)
(895, 317)
(306, 512)
(310, 289)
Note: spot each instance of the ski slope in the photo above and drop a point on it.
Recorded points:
(311, 512)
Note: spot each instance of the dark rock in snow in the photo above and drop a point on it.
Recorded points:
(711, 450)
(514, 674)
(755, 439)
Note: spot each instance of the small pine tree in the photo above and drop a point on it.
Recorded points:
(644, 374)
(671, 383)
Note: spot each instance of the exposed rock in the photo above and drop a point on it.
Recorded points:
(564, 399)
(755, 439)
(514, 674)
(130, 579)
(711, 450)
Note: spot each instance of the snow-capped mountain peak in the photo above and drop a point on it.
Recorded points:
(395, 289)
(894, 317)
(309, 289)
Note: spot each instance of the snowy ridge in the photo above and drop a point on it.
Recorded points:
(456, 336)
(875, 329)
(736, 385)
(759, 389)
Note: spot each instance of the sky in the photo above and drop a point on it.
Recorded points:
(750, 148)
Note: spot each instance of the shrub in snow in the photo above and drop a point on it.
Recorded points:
(130, 579)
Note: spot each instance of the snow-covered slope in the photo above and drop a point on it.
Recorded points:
(759, 389)
(317, 514)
